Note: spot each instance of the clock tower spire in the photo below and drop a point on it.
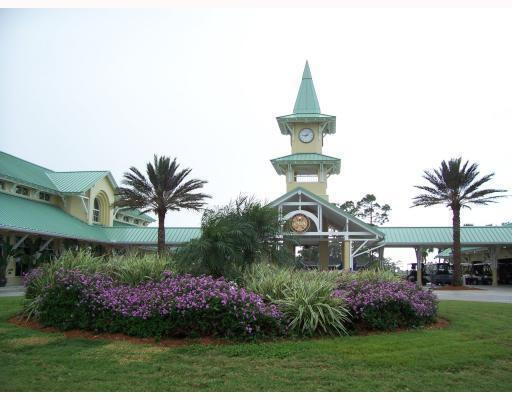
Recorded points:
(307, 127)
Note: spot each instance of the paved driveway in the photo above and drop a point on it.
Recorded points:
(500, 294)
(13, 290)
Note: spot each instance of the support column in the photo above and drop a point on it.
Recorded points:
(347, 255)
(419, 275)
(323, 252)
(10, 272)
(291, 249)
(493, 252)
(381, 257)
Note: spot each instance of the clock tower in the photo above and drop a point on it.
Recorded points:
(307, 127)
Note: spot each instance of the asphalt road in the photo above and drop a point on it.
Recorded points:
(500, 294)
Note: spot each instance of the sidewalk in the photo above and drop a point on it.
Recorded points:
(14, 290)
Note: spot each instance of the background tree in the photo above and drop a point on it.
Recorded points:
(368, 209)
(456, 186)
(164, 189)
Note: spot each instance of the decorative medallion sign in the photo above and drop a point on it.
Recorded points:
(300, 223)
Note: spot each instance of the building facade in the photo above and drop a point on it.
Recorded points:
(55, 210)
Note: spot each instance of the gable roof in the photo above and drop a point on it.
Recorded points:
(74, 182)
(330, 206)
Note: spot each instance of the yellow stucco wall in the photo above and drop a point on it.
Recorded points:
(103, 186)
(315, 146)
(318, 188)
(73, 205)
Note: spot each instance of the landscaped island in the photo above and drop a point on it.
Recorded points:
(149, 296)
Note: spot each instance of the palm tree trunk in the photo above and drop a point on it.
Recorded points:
(161, 233)
(457, 268)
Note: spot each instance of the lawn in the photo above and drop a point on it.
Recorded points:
(473, 354)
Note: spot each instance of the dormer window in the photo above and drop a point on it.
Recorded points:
(2, 185)
(22, 190)
(96, 211)
(44, 196)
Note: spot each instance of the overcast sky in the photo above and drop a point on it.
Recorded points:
(106, 89)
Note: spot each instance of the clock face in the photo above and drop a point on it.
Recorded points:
(306, 135)
(300, 223)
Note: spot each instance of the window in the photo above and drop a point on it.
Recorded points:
(44, 196)
(2, 185)
(137, 222)
(306, 178)
(22, 190)
(126, 219)
(96, 211)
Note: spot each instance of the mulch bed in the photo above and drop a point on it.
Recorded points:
(450, 287)
(77, 333)
(177, 342)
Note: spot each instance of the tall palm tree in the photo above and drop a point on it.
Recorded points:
(456, 186)
(165, 189)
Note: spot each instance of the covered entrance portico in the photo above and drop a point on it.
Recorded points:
(311, 220)
(495, 241)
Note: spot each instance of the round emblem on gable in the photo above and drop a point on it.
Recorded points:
(300, 223)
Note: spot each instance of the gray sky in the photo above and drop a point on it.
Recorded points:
(106, 89)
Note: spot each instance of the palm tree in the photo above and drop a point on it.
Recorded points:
(164, 189)
(456, 186)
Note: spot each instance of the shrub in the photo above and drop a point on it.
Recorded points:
(305, 297)
(233, 237)
(387, 305)
(174, 305)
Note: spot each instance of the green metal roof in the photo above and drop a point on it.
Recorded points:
(332, 207)
(306, 159)
(149, 235)
(307, 107)
(29, 216)
(442, 236)
(446, 253)
(24, 172)
(78, 181)
(306, 102)
(119, 223)
(136, 214)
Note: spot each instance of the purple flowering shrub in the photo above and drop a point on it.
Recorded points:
(388, 305)
(172, 306)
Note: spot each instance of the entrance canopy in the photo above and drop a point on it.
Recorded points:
(327, 221)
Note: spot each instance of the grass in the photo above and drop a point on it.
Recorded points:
(473, 354)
